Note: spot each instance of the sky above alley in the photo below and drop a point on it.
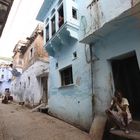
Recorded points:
(20, 24)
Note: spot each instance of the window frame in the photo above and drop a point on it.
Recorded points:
(61, 6)
(53, 31)
(47, 38)
(31, 53)
(2, 76)
(66, 75)
(76, 11)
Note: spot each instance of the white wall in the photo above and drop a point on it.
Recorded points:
(99, 14)
(5, 81)
(24, 90)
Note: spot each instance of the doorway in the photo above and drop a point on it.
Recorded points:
(126, 75)
(44, 85)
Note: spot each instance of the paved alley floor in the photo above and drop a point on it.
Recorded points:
(19, 123)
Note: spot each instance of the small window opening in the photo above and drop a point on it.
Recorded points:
(53, 25)
(29, 81)
(47, 33)
(75, 55)
(66, 76)
(24, 85)
(31, 52)
(2, 76)
(56, 65)
(74, 13)
(61, 16)
(20, 84)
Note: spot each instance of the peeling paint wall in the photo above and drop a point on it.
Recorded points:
(37, 52)
(98, 13)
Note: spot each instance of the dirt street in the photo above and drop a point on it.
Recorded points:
(19, 123)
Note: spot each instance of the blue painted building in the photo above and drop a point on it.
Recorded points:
(70, 94)
(93, 52)
(114, 41)
(5, 77)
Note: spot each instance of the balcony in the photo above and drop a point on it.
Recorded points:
(61, 24)
(66, 34)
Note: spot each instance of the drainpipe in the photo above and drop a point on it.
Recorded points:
(99, 120)
(92, 88)
(91, 63)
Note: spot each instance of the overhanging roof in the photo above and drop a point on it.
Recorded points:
(5, 6)
(129, 17)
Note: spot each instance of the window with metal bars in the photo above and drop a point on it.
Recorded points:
(66, 76)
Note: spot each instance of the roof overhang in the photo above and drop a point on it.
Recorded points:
(126, 19)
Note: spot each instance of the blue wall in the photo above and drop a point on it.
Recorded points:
(73, 103)
(121, 41)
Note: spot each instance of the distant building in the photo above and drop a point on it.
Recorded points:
(32, 61)
(18, 62)
(5, 77)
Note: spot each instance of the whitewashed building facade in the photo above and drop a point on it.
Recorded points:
(5, 77)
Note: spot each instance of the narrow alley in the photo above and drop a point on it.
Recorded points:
(19, 123)
(77, 62)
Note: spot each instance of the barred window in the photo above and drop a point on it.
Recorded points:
(66, 76)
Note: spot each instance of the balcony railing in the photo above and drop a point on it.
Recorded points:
(66, 34)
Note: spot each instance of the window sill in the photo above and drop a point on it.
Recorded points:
(66, 86)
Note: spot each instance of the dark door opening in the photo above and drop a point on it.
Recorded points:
(44, 82)
(126, 76)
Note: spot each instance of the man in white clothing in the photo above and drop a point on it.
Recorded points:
(119, 112)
